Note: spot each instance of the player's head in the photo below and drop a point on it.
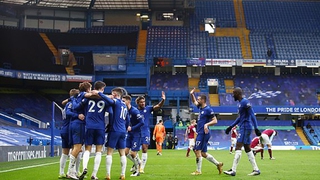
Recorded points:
(160, 121)
(118, 92)
(141, 102)
(193, 122)
(237, 94)
(85, 87)
(126, 99)
(202, 99)
(74, 92)
(99, 86)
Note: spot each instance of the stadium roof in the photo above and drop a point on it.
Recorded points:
(103, 4)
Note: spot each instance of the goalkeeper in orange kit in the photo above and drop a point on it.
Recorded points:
(159, 134)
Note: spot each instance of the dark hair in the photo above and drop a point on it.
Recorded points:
(203, 97)
(84, 86)
(120, 90)
(139, 98)
(74, 92)
(127, 97)
(99, 84)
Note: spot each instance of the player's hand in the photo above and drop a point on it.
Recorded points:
(228, 129)
(81, 117)
(163, 95)
(206, 129)
(153, 138)
(258, 133)
(192, 91)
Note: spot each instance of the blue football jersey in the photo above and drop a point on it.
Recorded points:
(136, 121)
(119, 122)
(205, 115)
(145, 113)
(95, 113)
(246, 118)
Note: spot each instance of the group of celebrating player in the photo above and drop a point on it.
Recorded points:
(84, 123)
(198, 133)
(128, 129)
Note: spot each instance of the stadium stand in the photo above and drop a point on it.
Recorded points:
(287, 136)
(313, 132)
(19, 136)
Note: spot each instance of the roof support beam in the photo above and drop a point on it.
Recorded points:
(92, 4)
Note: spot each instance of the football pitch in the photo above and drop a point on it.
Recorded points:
(173, 165)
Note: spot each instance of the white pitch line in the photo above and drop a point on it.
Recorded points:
(28, 167)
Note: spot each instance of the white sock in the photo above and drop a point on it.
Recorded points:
(136, 162)
(236, 160)
(144, 157)
(72, 164)
(252, 160)
(199, 164)
(130, 157)
(108, 164)
(69, 167)
(85, 159)
(97, 161)
(212, 159)
(78, 162)
(63, 160)
(123, 161)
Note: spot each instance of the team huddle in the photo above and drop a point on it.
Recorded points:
(89, 115)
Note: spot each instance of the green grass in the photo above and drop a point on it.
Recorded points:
(174, 165)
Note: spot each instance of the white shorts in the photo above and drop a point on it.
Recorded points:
(191, 142)
(233, 140)
(264, 139)
(256, 148)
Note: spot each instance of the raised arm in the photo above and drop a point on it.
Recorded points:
(160, 104)
(193, 98)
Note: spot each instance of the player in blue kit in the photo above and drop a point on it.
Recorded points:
(77, 128)
(133, 141)
(96, 109)
(245, 120)
(66, 146)
(206, 118)
(145, 112)
(117, 129)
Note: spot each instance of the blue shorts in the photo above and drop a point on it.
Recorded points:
(145, 137)
(65, 140)
(244, 136)
(94, 136)
(133, 143)
(77, 132)
(116, 140)
(202, 142)
(145, 140)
